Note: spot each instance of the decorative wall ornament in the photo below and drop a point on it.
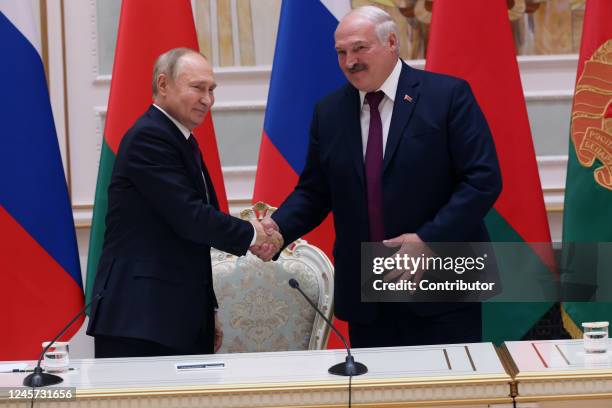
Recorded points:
(539, 27)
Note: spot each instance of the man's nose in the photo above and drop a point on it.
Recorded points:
(206, 99)
(350, 60)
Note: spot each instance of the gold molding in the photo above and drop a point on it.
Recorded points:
(203, 28)
(247, 201)
(225, 33)
(333, 386)
(565, 375)
(245, 33)
(234, 201)
(397, 404)
(65, 87)
(507, 362)
(562, 354)
(467, 351)
(44, 36)
(568, 397)
(448, 364)
(82, 206)
(554, 190)
(85, 225)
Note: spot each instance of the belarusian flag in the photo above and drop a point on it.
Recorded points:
(473, 40)
(588, 191)
(147, 28)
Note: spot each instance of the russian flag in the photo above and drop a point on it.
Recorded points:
(304, 70)
(40, 277)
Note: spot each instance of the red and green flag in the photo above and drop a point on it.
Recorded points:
(147, 28)
(587, 216)
(473, 40)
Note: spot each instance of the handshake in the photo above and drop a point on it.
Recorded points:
(269, 240)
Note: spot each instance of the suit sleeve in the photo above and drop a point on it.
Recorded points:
(157, 171)
(475, 165)
(310, 202)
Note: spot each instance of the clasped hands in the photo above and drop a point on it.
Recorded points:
(407, 244)
(269, 240)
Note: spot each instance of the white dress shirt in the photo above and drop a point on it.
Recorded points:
(186, 132)
(389, 87)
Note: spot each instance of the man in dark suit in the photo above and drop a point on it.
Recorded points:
(163, 217)
(397, 155)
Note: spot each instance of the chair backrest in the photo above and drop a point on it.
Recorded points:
(258, 309)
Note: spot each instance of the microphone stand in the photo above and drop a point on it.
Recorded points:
(40, 379)
(350, 367)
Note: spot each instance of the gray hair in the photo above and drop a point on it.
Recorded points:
(383, 23)
(167, 64)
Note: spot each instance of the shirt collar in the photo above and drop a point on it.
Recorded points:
(389, 87)
(186, 132)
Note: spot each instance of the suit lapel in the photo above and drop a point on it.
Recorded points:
(185, 149)
(406, 98)
(353, 131)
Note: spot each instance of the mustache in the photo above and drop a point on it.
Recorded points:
(358, 67)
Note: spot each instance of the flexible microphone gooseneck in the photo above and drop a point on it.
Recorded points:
(350, 367)
(40, 379)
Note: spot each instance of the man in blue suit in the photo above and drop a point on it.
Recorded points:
(397, 155)
(163, 217)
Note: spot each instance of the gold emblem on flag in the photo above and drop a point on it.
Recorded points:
(592, 115)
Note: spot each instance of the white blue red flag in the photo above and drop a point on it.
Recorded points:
(40, 277)
(305, 69)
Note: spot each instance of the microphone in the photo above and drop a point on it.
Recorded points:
(350, 367)
(40, 379)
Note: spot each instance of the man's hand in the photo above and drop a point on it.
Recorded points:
(411, 245)
(269, 240)
(218, 333)
(269, 224)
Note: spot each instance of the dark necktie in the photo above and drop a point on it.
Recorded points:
(373, 168)
(195, 149)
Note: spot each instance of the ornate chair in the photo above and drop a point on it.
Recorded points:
(258, 309)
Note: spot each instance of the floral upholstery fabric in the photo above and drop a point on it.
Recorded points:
(258, 309)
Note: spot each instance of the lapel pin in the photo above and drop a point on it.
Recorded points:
(408, 98)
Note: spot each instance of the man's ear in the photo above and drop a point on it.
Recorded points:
(392, 42)
(162, 84)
